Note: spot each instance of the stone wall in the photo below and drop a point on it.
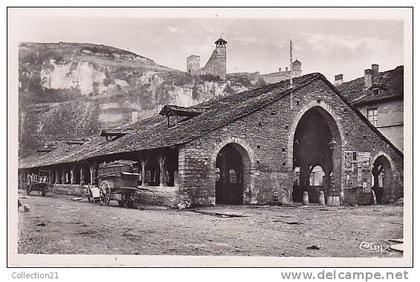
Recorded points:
(158, 196)
(149, 195)
(267, 135)
(70, 189)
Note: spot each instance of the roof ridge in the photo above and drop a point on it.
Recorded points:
(381, 72)
(347, 102)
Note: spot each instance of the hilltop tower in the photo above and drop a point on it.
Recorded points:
(193, 65)
(221, 57)
(216, 65)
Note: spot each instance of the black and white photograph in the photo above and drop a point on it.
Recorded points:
(220, 137)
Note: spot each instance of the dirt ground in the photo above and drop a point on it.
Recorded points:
(64, 226)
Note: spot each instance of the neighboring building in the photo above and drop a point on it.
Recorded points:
(379, 96)
(216, 65)
(263, 146)
(275, 77)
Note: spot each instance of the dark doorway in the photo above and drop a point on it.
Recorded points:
(316, 155)
(381, 173)
(230, 174)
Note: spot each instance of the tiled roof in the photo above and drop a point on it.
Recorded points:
(390, 82)
(153, 133)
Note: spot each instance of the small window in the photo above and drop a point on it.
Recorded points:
(376, 91)
(372, 115)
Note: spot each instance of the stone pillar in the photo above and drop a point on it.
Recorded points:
(143, 163)
(50, 177)
(72, 178)
(336, 173)
(176, 178)
(82, 176)
(20, 177)
(304, 176)
(224, 172)
(57, 177)
(92, 171)
(63, 176)
(161, 160)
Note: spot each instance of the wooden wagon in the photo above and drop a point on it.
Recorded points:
(118, 181)
(38, 182)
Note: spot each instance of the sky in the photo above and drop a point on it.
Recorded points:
(328, 46)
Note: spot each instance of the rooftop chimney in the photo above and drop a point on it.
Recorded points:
(287, 68)
(375, 69)
(368, 78)
(279, 69)
(338, 79)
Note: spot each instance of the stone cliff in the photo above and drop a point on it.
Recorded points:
(73, 90)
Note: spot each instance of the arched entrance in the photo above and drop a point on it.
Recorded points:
(381, 174)
(316, 155)
(232, 174)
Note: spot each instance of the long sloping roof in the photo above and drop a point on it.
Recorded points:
(391, 82)
(153, 133)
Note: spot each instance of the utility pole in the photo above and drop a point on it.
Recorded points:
(290, 75)
(291, 59)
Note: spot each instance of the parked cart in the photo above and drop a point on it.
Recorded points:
(118, 181)
(93, 194)
(38, 182)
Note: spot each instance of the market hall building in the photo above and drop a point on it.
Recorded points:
(257, 147)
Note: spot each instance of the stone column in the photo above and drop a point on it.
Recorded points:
(57, 177)
(50, 177)
(72, 178)
(161, 160)
(176, 178)
(20, 177)
(143, 163)
(303, 175)
(92, 173)
(224, 172)
(82, 176)
(336, 173)
(63, 176)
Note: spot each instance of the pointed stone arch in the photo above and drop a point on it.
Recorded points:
(248, 160)
(316, 149)
(382, 173)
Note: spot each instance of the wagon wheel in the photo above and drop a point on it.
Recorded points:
(105, 192)
(29, 186)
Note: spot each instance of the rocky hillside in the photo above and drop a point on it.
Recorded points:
(69, 90)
